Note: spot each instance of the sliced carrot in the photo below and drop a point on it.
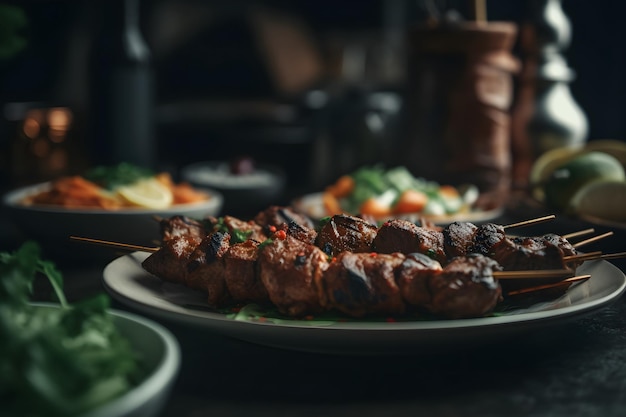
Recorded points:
(342, 187)
(374, 208)
(411, 201)
(184, 193)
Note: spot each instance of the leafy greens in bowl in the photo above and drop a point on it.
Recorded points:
(80, 359)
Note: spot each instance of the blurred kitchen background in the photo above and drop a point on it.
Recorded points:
(314, 87)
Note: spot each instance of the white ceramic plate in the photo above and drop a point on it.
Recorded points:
(52, 226)
(313, 206)
(127, 281)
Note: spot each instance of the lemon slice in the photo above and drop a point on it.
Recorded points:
(148, 193)
(603, 199)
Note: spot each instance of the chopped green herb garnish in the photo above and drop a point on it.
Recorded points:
(265, 243)
(236, 235)
(111, 177)
(56, 361)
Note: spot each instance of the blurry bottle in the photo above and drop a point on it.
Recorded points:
(546, 115)
(558, 120)
(123, 89)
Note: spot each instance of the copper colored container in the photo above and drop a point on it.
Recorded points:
(458, 98)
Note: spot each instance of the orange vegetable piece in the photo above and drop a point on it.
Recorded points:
(182, 193)
(448, 191)
(411, 201)
(342, 187)
(75, 191)
(374, 208)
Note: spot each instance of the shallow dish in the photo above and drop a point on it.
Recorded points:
(313, 206)
(127, 281)
(52, 226)
(254, 191)
(160, 352)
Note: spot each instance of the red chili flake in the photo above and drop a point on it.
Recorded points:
(281, 234)
(390, 320)
(334, 258)
(373, 254)
(272, 229)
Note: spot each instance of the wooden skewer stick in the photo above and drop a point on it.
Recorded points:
(533, 273)
(107, 243)
(579, 233)
(547, 286)
(592, 239)
(597, 255)
(582, 256)
(529, 222)
(617, 255)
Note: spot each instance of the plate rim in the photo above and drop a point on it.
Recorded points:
(220, 321)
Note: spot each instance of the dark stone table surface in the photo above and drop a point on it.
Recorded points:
(575, 368)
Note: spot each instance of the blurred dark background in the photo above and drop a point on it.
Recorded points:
(299, 84)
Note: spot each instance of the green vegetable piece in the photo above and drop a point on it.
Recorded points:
(61, 361)
(236, 235)
(112, 177)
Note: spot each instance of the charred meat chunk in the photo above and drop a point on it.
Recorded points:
(466, 287)
(359, 284)
(206, 271)
(458, 238)
(278, 215)
(170, 261)
(290, 271)
(406, 237)
(298, 231)
(486, 237)
(413, 277)
(529, 253)
(567, 249)
(242, 280)
(346, 233)
(181, 226)
(521, 253)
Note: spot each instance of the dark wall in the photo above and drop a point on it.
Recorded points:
(50, 67)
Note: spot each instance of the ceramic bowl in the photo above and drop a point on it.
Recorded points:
(160, 352)
(52, 226)
(242, 192)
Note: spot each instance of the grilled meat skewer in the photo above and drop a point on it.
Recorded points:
(299, 278)
(350, 265)
(461, 239)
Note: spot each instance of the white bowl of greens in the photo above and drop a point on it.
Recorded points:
(79, 359)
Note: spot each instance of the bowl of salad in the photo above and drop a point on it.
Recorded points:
(119, 203)
(383, 193)
(80, 359)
